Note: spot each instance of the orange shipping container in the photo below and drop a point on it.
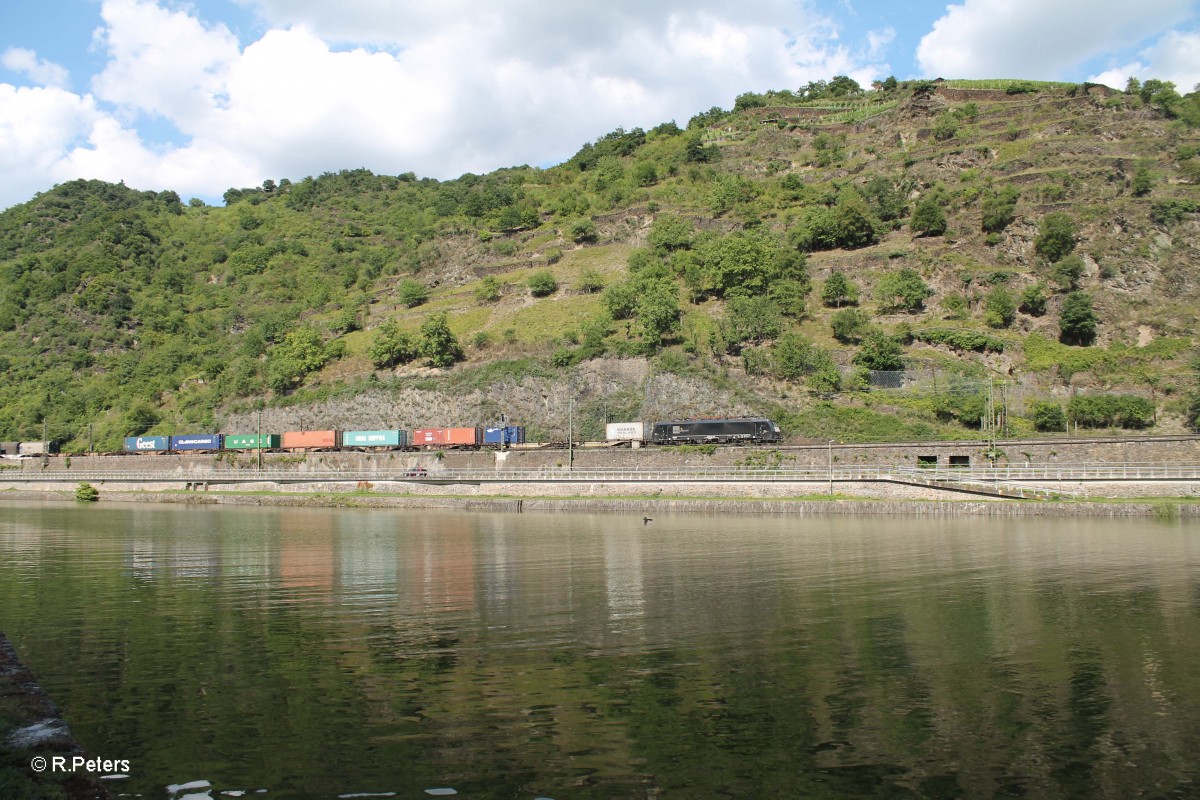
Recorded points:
(432, 437)
(311, 439)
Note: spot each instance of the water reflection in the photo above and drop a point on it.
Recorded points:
(327, 652)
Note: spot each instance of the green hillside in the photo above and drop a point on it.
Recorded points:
(1038, 242)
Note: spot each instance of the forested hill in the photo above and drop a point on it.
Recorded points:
(779, 258)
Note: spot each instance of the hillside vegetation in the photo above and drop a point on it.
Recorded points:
(1028, 254)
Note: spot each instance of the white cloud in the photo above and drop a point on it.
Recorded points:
(1038, 39)
(38, 70)
(163, 62)
(436, 88)
(38, 127)
(1175, 57)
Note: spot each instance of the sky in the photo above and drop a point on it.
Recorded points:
(202, 96)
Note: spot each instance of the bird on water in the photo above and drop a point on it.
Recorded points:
(647, 520)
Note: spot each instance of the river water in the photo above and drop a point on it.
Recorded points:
(324, 653)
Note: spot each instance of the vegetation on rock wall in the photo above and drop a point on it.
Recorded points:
(1040, 235)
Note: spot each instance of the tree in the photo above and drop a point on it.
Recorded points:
(1143, 179)
(658, 311)
(849, 324)
(669, 233)
(1077, 321)
(301, 352)
(542, 283)
(929, 219)
(1000, 309)
(392, 346)
(438, 342)
(751, 319)
(839, 290)
(902, 291)
(945, 126)
(1056, 236)
(796, 357)
(880, 352)
(855, 225)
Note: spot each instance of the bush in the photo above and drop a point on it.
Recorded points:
(412, 293)
(584, 232)
(1066, 273)
(999, 209)
(902, 291)
(960, 340)
(488, 290)
(999, 309)
(880, 352)
(1111, 410)
(1033, 300)
(928, 219)
(849, 325)
(542, 283)
(1056, 237)
(86, 493)
(1048, 417)
(590, 281)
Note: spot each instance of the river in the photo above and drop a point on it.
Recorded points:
(325, 653)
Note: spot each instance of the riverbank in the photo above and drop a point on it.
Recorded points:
(809, 505)
(32, 727)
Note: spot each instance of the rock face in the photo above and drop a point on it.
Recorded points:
(40, 731)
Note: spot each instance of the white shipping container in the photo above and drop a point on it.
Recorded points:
(625, 432)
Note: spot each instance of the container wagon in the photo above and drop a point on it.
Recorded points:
(447, 437)
(147, 444)
(625, 432)
(375, 439)
(312, 440)
(196, 442)
(508, 435)
(251, 441)
(10, 448)
(703, 431)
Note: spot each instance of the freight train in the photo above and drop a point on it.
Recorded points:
(750, 430)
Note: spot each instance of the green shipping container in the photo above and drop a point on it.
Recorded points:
(374, 438)
(250, 441)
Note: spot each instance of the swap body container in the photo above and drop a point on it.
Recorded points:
(196, 441)
(251, 441)
(311, 440)
(447, 437)
(375, 439)
(37, 448)
(147, 444)
(511, 434)
(625, 432)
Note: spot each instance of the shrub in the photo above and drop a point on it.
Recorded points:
(86, 493)
(1056, 236)
(412, 293)
(438, 342)
(1048, 417)
(999, 209)
(1111, 410)
(960, 340)
(488, 290)
(590, 281)
(584, 231)
(849, 325)
(542, 283)
(902, 291)
(999, 309)
(1033, 300)
(880, 352)
(1066, 273)
(929, 219)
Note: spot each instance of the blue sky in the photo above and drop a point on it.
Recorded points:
(198, 97)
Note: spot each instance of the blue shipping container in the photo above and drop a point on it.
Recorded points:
(147, 444)
(513, 434)
(196, 441)
(374, 438)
